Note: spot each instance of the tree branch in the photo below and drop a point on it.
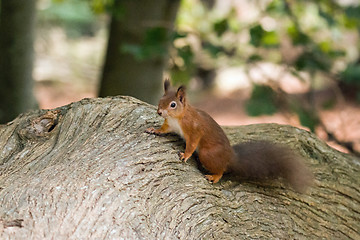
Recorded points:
(95, 174)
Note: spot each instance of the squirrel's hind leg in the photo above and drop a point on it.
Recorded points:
(213, 178)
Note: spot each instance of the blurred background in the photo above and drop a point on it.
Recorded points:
(243, 61)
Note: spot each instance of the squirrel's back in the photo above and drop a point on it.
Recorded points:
(215, 152)
(213, 133)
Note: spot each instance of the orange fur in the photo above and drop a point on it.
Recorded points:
(201, 132)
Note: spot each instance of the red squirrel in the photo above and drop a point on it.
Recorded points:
(257, 160)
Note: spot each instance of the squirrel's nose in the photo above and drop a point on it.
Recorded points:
(159, 112)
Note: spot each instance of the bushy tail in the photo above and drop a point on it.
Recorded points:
(261, 160)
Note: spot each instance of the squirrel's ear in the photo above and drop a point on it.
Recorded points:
(180, 94)
(166, 85)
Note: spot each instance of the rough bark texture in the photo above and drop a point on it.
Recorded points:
(130, 25)
(17, 20)
(88, 171)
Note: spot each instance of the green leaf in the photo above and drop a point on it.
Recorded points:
(260, 37)
(154, 45)
(351, 74)
(298, 37)
(262, 101)
(336, 53)
(212, 49)
(353, 12)
(133, 49)
(328, 17)
(352, 17)
(101, 6)
(308, 118)
(177, 35)
(221, 27)
(187, 55)
(270, 39)
(70, 11)
(76, 17)
(156, 35)
(254, 58)
(276, 6)
(327, 48)
(179, 76)
(313, 60)
(256, 34)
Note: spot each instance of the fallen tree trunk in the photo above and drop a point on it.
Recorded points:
(88, 171)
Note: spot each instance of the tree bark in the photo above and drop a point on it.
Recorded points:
(88, 171)
(131, 22)
(17, 20)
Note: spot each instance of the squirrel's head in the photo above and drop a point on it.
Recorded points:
(172, 103)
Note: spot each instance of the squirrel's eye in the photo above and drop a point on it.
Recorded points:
(173, 104)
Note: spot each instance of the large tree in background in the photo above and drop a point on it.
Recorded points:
(17, 21)
(136, 57)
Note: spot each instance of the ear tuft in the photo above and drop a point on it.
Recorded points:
(166, 84)
(180, 94)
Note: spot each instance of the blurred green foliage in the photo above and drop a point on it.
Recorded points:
(316, 30)
(210, 36)
(307, 118)
(262, 38)
(263, 101)
(351, 74)
(153, 45)
(314, 26)
(75, 16)
(101, 6)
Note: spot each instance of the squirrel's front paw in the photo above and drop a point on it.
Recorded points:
(151, 130)
(182, 156)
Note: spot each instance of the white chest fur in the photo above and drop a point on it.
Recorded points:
(175, 126)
